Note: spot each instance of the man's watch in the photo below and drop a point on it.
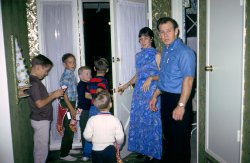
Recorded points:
(181, 104)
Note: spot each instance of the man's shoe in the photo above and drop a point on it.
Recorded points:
(85, 158)
(68, 158)
(140, 155)
(73, 151)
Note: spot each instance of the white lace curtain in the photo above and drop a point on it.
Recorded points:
(131, 18)
(57, 37)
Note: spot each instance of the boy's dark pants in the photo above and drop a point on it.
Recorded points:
(67, 140)
(105, 156)
(176, 134)
(83, 121)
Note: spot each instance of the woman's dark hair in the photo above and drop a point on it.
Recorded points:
(145, 31)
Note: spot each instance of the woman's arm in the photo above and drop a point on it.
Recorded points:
(152, 103)
(129, 83)
(158, 59)
(147, 83)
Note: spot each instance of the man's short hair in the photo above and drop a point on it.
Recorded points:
(101, 65)
(102, 100)
(165, 20)
(41, 60)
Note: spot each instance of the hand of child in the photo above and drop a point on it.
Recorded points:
(58, 93)
(72, 125)
(78, 113)
(118, 157)
(59, 129)
(64, 87)
(73, 113)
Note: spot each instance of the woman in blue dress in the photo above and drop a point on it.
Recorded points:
(145, 130)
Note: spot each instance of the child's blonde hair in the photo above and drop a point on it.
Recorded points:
(83, 68)
(102, 100)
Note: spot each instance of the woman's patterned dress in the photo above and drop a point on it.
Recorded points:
(145, 130)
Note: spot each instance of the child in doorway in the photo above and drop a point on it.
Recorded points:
(41, 107)
(96, 84)
(68, 80)
(84, 73)
(104, 131)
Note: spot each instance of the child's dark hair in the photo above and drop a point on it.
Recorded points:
(102, 100)
(66, 56)
(145, 31)
(41, 60)
(83, 68)
(101, 65)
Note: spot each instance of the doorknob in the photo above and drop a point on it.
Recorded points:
(209, 68)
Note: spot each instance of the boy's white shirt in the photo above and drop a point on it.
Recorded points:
(103, 130)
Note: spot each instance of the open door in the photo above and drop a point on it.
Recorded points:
(224, 78)
(127, 18)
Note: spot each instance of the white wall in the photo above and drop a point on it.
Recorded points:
(6, 147)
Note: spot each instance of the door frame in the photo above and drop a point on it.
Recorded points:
(7, 154)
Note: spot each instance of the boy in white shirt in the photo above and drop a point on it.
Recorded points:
(104, 130)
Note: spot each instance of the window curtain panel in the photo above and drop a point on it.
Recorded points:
(130, 19)
(55, 20)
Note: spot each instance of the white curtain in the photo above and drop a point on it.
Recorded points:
(131, 18)
(57, 37)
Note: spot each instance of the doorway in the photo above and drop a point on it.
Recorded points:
(97, 34)
(69, 32)
(191, 40)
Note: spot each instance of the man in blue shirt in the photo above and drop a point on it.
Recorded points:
(177, 72)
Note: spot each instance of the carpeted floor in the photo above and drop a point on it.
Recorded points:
(53, 157)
